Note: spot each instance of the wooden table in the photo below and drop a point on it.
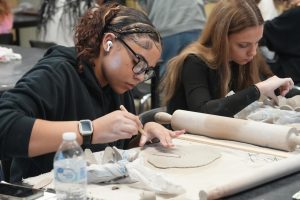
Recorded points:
(12, 71)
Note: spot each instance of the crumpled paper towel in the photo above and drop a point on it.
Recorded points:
(7, 54)
(127, 166)
(287, 112)
(262, 112)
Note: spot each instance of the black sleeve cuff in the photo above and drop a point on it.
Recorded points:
(257, 91)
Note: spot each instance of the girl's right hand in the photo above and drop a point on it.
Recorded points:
(268, 87)
(115, 126)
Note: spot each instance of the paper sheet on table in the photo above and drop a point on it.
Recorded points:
(232, 163)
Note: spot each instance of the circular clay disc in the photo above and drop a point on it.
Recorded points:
(181, 156)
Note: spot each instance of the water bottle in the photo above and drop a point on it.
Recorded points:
(70, 173)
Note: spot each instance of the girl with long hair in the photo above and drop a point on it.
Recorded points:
(224, 58)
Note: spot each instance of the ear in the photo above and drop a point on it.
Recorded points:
(107, 41)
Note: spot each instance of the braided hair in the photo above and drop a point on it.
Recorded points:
(115, 18)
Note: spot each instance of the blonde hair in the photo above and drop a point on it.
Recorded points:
(227, 17)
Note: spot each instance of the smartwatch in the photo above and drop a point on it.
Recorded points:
(86, 130)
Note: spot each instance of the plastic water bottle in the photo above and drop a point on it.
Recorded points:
(70, 173)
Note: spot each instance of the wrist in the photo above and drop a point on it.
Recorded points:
(257, 91)
(86, 130)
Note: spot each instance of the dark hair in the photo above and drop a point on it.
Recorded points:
(115, 18)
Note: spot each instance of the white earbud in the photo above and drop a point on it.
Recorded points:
(109, 45)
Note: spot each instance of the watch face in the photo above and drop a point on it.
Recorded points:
(86, 127)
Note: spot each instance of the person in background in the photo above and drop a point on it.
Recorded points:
(281, 44)
(116, 48)
(267, 9)
(179, 23)
(6, 17)
(59, 17)
(224, 58)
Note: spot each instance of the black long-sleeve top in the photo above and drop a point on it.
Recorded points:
(199, 89)
(53, 90)
(282, 35)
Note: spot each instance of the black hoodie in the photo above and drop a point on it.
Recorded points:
(52, 90)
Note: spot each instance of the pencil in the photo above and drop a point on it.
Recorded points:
(140, 129)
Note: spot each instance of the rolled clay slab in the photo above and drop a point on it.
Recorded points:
(181, 156)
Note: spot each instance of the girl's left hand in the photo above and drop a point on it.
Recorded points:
(155, 130)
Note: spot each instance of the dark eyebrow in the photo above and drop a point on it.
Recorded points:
(132, 51)
(143, 58)
(147, 45)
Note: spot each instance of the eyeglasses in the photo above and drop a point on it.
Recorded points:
(141, 65)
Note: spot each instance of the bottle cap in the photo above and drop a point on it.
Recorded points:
(69, 136)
